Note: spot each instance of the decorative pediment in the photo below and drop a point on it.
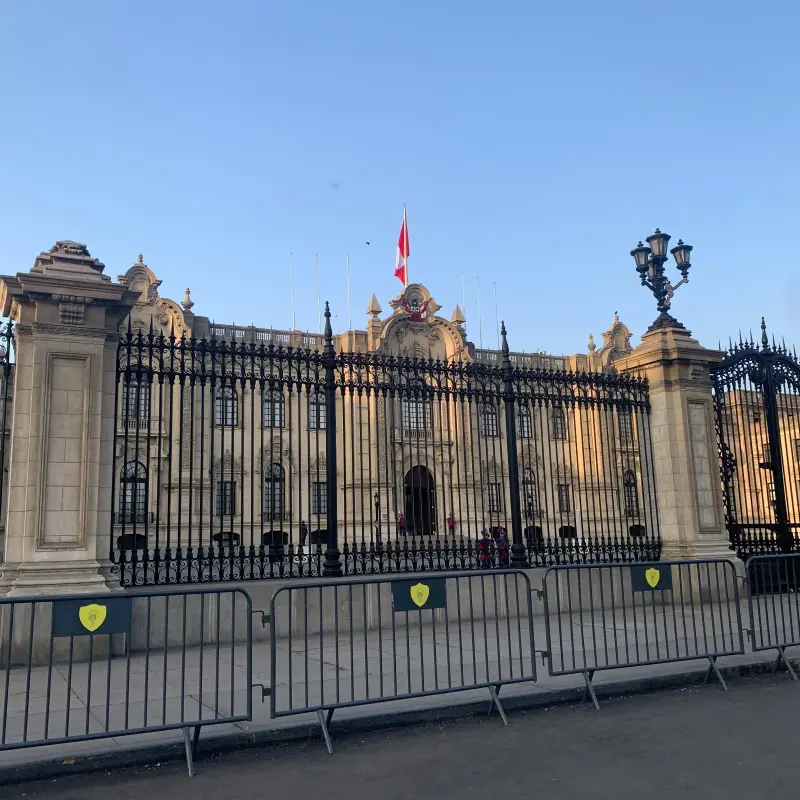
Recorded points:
(415, 303)
(142, 279)
(227, 463)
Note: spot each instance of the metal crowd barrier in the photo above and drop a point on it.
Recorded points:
(773, 598)
(371, 640)
(601, 617)
(74, 668)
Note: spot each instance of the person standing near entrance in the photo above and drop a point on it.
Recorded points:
(451, 524)
(401, 524)
(485, 547)
(503, 548)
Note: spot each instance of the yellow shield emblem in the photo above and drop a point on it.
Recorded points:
(92, 616)
(652, 576)
(419, 594)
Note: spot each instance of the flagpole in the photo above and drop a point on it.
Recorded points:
(291, 279)
(405, 228)
(496, 317)
(480, 319)
(463, 301)
(319, 307)
(349, 316)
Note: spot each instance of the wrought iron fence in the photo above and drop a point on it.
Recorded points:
(6, 395)
(245, 460)
(757, 406)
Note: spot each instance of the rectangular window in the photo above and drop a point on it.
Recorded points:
(626, 426)
(797, 449)
(317, 412)
(319, 498)
(416, 414)
(765, 452)
(564, 504)
(495, 498)
(559, 424)
(226, 498)
(771, 494)
(488, 420)
(524, 423)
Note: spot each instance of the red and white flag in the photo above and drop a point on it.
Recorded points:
(401, 265)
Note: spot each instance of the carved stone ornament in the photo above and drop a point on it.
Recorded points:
(228, 463)
(71, 308)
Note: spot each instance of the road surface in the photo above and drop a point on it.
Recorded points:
(691, 742)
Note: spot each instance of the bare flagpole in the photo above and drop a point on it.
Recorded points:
(496, 317)
(480, 319)
(405, 228)
(349, 315)
(319, 307)
(291, 280)
(463, 301)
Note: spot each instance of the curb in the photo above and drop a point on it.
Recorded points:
(212, 745)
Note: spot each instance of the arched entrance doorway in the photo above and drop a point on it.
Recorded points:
(420, 495)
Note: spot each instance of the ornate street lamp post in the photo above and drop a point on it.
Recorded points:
(650, 260)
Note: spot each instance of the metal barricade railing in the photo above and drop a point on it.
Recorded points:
(773, 599)
(74, 668)
(601, 617)
(371, 640)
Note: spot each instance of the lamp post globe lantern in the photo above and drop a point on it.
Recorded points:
(650, 260)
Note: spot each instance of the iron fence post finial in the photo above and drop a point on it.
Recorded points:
(332, 568)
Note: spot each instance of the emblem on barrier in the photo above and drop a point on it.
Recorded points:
(419, 594)
(92, 616)
(652, 576)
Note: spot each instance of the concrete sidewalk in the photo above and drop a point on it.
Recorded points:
(210, 683)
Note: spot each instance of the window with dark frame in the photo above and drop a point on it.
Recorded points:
(559, 424)
(274, 481)
(626, 426)
(317, 411)
(488, 420)
(319, 498)
(135, 399)
(495, 498)
(226, 409)
(273, 409)
(416, 412)
(226, 498)
(564, 500)
(133, 497)
(524, 425)
(630, 494)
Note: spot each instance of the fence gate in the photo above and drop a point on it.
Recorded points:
(757, 408)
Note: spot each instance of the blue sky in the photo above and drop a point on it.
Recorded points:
(533, 142)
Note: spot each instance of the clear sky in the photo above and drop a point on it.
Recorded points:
(534, 143)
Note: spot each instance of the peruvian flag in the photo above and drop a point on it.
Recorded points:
(401, 265)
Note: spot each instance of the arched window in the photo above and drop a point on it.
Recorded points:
(530, 494)
(135, 401)
(559, 422)
(524, 425)
(630, 494)
(133, 493)
(416, 405)
(488, 419)
(274, 479)
(273, 409)
(226, 408)
(317, 411)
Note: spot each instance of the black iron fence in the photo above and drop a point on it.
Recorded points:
(757, 404)
(76, 668)
(602, 617)
(245, 460)
(376, 639)
(6, 397)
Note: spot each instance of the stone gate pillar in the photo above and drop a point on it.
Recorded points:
(67, 315)
(687, 478)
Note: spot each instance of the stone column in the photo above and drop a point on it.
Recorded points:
(67, 315)
(690, 510)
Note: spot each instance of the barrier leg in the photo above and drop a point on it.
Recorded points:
(589, 692)
(323, 722)
(195, 741)
(494, 691)
(713, 669)
(782, 657)
(189, 747)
